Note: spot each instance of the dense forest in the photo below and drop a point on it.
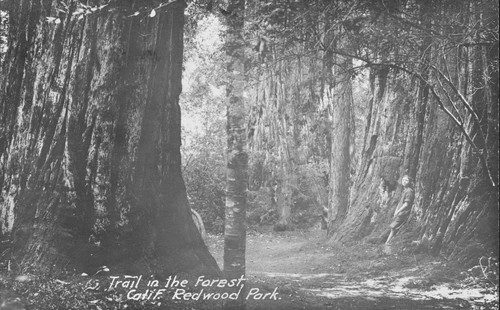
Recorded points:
(280, 117)
(345, 98)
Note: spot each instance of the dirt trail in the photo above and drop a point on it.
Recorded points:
(312, 275)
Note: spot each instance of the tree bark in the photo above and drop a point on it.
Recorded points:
(340, 100)
(237, 158)
(90, 142)
(455, 210)
(284, 116)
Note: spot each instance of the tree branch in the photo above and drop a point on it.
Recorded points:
(450, 99)
(459, 94)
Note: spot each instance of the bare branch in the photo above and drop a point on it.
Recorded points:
(449, 99)
(458, 93)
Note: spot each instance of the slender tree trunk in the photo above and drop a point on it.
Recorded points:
(235, 229)
(90, 144)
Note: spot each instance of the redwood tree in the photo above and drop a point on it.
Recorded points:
(433, 115)
(90, 136)
(432, 68)
(340, 102)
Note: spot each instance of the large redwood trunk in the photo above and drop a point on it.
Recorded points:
(410, 131)
(90, 140)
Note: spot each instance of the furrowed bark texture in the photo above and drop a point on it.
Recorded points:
(280, 115)
(90, 138)
(276, 127)
(438, 122)
(455, 211)
(340, 101)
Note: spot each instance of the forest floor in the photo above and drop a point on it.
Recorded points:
(296, 269)
(310, 274)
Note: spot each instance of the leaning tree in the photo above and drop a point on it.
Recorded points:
(90, 136)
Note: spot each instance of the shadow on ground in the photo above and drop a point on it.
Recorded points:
(309, 274)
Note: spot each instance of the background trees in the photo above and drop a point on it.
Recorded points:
(423, 82)
(204, 121)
